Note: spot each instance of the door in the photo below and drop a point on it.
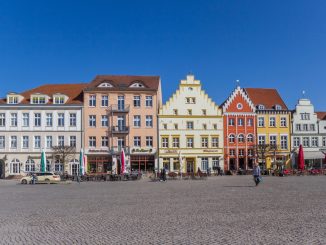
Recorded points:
(1, 169)
(190, 166)
(75, 169)
(121, 123)
(121, 103)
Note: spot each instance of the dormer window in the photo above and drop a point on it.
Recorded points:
(278, 107)
(261, 107)
(59, 99)
(39, 99)
(137, 85)
(105, 85)
(13, 100)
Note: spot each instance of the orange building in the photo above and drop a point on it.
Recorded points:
(120, 112)
(239, 120)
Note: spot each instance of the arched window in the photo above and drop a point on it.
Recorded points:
(15, 166)
(30, 165)
(231, 138)
(58, 166)
(241, 138)
(250, 138)
(74, 167)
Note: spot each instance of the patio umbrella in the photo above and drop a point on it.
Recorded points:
(43, 161)
(300, 158)
(123, 160)
(81, 162)
(85, 164)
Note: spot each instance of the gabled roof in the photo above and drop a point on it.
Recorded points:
(230, 99)
(123, 82)
(268, 97)
(73, 91)
(321, 115)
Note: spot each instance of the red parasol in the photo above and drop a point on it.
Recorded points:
(123, 162)
(300, 158)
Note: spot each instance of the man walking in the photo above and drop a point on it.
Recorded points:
(257, 174)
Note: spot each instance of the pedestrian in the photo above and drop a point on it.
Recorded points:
(257, 174)
(33, 178)
(164, 174)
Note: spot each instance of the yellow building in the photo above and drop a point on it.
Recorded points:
(273, 127)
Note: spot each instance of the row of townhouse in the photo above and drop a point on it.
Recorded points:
(187, 133)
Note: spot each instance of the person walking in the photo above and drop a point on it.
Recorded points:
(257, 174)
(164, 174)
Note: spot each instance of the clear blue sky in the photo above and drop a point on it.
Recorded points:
(270, 43)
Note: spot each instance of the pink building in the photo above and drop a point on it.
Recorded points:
(120, 112)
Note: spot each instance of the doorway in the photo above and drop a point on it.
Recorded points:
(190, 165)
(2, 169)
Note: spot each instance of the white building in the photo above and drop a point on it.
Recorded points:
(37, 119)
(309, 131)
(191, 129)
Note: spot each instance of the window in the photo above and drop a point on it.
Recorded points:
(175, 112)
(250, 122)
(190, 142)
(239, 106)
(261, 140)
(272, 122)
(137, 121)
(215, 162)
(13, 119)
(240, 121)
(165, 126)
(250, 138)
(305, 142)
(149, 101)
(241, 138)
(283, 122)
(13, 142)
(2, 142)
(305, 127)
(61, 140)
(250, 152)
(105, 101)
(296, 141)
(261, 122)
(38, 100)
(232, 152)
(92, 100)
(49, 120)
(284, 142)
(72, 141)
(92, 141)
(261, 107)
(104, 121)
(241, 152)
(204, 126)
(59, 100)
(37, 142)
(272, 140)
(149, 121)
(175, 142)
(314, 142)
(204, 142)
(37, 119)
(231, 138)
(215, 126)
(13, 100)
(204, 163)
(298, 127)
(25, 142)
(215, 142)
(165, 142)
(137, 141)
(176, 164)
(175, 126)
(231, 121)
(48, 141)
(104, 141)
(92, 120)
(30, 166)
(73, 120)
(305, 116)
(166, 163)
(312, 127)
(190, 100)
(61, 119)
(189, 112)
(15, 166)
(149, 141)
(324, 141)
(137, 101)
(278, 107)
(58, 167)
(204, 112)
(25, 119)
(190, 125)
(2, 120)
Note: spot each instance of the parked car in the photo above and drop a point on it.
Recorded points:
(41, 177)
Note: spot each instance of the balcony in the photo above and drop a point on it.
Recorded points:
(119, 108)
(117, 150)
(120, 130)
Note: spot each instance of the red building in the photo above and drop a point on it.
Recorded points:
(239, 119)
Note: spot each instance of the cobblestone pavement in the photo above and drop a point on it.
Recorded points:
(220, 210)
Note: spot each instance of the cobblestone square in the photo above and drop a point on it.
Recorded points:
(220, 210)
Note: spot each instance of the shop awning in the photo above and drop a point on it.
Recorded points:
(313, 155)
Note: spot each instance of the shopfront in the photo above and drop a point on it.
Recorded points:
(142, 162)
(99, 164)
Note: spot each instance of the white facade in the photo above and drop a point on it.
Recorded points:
(27, 129)
(190, 130)
(308, 131)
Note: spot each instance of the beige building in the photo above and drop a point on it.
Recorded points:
(190, 130)
(121, 113)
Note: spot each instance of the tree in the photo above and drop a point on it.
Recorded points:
(64, 154)
(261, 152)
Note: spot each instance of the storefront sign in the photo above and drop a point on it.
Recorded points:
(98, 151)
(210, 150)
(171, 151)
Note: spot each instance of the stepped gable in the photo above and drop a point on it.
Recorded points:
(73, 91)
(238, 96)
(124, 82)
(268, 97)
(321, 115)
